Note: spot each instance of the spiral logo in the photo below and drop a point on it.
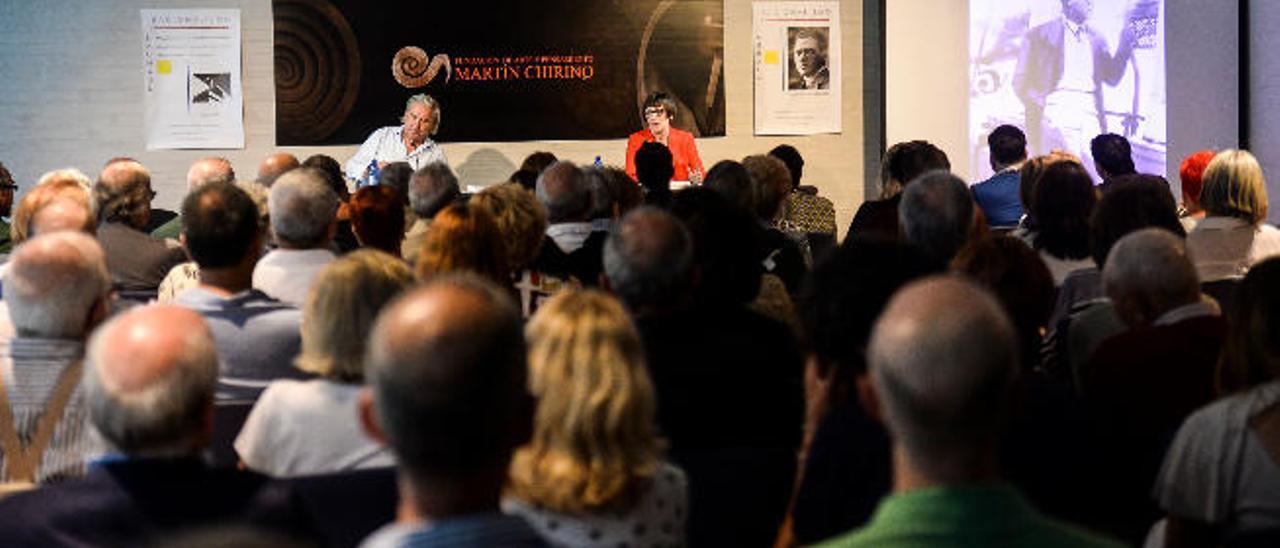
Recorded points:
(410, 67)
(317, 70)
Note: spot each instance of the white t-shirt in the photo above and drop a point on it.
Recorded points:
(1225, 247)
(287, 274)
(299, 428)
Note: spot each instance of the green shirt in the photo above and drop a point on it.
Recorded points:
(988, 516)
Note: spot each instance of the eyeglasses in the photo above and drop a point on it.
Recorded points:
(653, 112)
(9, 186)
(151, 194)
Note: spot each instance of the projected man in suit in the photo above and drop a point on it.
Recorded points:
(809, 58)
(1059, 78)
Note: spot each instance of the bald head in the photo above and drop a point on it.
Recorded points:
(149, 379)
(274, 166)
(123, 193)
(648, 258)
(213, 169)
(57, 286)
(447, 366)
(943, 358)
(566, 192)
(1148, 273)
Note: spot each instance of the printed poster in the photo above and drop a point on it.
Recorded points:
(797, 68)
(193, 97)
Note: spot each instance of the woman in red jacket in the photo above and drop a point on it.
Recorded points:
(658, 112)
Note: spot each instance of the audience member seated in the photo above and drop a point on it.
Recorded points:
(1029, 176)
(593, 474)
(447, 369)
(1083, 316)
(805, 209)
(212, 169)
(613, 194)
(522, 221)
(280, 437)
(187, 275)
(1064, 200)
(257, 336)
(944, 364)
(464, 238)
(275, 165)
(70, 207)
(431, 189)
(902, 163)
(57, 289)
(532, 166)
(397, 175)
(1220, 477)
(303, 221)
(149, 381)
(936, 215)
(785, 253)
(846, 458)
(573, 247)
(1191, 175)
(137, 261)
(344, 239)
(998, 196)
(1140, 384)
(1233, 235)
(752, 428)
(377, 218)
(654, 172)
(1112, 157)
(1016, 276)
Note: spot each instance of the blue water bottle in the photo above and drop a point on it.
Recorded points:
(374, 173)
(598, 162)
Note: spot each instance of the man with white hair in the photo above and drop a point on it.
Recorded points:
(303, 213)
(136, 260)
(944, 363)
(211, 169)
(57, 288)
(936, 215)
(149, 386)
(409, 142)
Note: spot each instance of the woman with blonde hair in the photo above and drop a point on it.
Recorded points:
(592, 474)
(1233, 235)
(464, 238)
(311, 427)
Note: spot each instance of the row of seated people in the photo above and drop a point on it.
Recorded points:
(672, 411)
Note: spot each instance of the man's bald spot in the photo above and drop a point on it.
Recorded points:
(275, 165)
(942, 339)
(62, 214)
(438, 311)
(144, 344)
(208, 170)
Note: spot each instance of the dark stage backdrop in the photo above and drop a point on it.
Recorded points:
(509, 70)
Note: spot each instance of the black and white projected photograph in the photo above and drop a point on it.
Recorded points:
(1066, 71)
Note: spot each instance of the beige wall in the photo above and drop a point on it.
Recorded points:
(72, 96)
(926, 86)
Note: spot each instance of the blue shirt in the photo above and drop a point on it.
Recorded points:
(999, 199)
(476, 531)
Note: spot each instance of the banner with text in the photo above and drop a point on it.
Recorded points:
(501, 70)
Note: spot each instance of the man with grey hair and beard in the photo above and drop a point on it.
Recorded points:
(149, 385)
(409, 142)
(431, 189)
(56, 289)
(573, 247)
(137, 261)
(211, 169)
(303, 215)
(944, 364)
(936, 215)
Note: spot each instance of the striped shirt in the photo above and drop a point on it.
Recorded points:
(30, 367)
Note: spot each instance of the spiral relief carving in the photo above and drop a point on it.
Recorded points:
(411, 69)
(317, 70)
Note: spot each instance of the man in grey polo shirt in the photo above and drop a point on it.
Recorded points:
(257, 336)
(304, 220)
